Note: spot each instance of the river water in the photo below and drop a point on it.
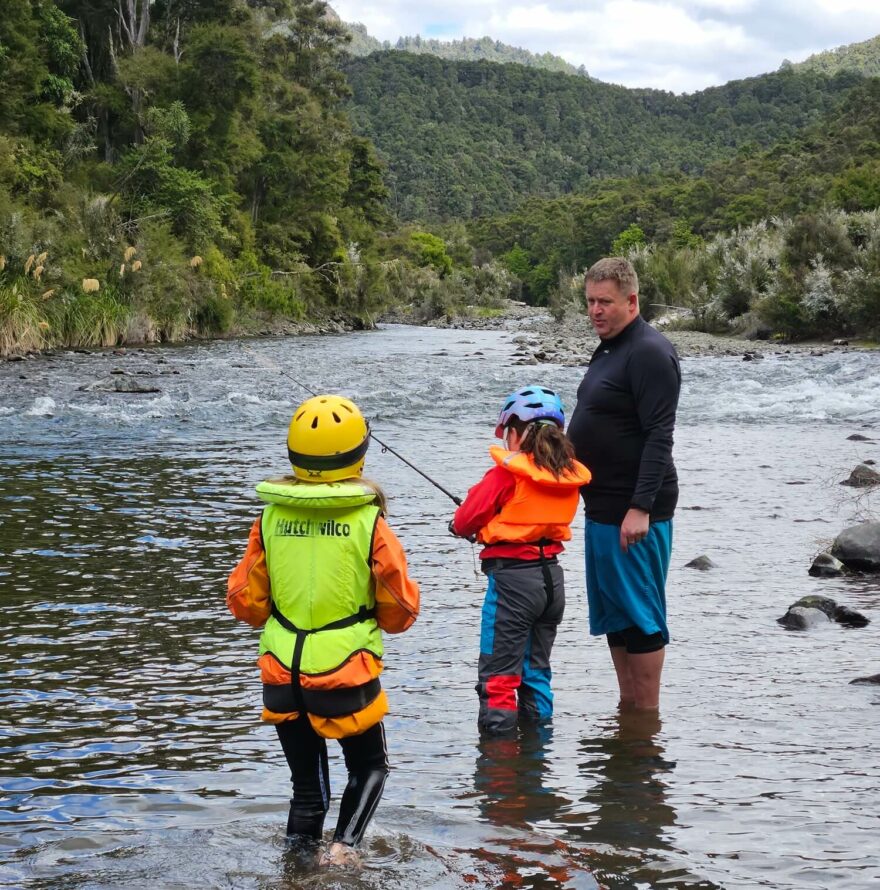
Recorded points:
(132, 752)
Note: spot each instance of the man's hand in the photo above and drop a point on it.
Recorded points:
(634, 527)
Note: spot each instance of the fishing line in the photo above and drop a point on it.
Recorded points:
(384, 445)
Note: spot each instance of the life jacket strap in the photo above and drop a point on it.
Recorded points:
(548, 578)
(363, 614)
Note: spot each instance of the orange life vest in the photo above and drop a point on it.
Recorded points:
(542, 506)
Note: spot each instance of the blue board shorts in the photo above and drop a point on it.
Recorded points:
(627, 589)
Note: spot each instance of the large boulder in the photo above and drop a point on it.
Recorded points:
(858, 547)
(800, 618)
(826, 566)
(810, 611)
(862, 476)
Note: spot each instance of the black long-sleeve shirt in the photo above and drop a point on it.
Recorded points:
(622, 425)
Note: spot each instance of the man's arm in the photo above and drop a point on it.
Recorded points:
(656, 383)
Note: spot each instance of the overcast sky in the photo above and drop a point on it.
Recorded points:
(679, 45)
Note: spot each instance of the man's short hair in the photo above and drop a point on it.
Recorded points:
(616, 269)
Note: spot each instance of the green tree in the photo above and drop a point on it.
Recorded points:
(632, 236)
(429, 250)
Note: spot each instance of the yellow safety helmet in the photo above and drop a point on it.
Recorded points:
(327, 439)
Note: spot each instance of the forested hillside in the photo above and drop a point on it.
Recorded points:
(861, 58)
(471, 139)
(789, 236)
(169, 169)
(835, 162)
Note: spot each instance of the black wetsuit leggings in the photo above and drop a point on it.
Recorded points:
(366, 759)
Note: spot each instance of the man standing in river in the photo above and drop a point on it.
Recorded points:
(622, 429)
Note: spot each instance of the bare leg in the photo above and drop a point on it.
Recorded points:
(624, 679)
(638, 677)
(644, 671)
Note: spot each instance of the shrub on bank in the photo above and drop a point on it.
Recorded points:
(811, 275)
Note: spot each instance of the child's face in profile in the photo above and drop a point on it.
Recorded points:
(511, 439)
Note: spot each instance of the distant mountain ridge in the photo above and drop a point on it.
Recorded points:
(862, 58)
(468, 49)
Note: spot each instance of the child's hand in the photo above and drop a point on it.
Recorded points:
(455, 534)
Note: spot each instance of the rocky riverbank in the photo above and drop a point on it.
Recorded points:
(571, 340)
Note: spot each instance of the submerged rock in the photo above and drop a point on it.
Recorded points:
(123, 384)
(850, 618)
(826, 566)
(810, 611)
(873, 680)
(800, 618)
(858, 547)
(862, 477)
(703, 563)
(858, 437)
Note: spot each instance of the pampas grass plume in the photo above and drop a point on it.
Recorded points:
(122, 270)
(136, 266)
(48, 294)
(2, 263)
(30, 261)
(129, 253)
(196, 261)
(38, 272)
(91, 285)
(42, 257)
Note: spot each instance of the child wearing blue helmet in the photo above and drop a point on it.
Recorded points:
(521, 512)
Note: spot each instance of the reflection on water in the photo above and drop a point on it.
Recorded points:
(629, 796)
(626, 804)
(132, 751)
(514, 790)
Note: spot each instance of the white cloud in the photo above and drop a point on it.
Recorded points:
(680, 45)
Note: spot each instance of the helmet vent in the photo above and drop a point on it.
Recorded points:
(314, 423)
(336, 417)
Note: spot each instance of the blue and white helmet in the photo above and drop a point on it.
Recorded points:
(531, 403)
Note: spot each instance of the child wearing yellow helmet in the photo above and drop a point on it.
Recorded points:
(323, 576)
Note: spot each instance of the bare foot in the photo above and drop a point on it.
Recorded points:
(340, 856)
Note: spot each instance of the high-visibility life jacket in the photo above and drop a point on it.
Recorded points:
(542, 506)
(317, 539)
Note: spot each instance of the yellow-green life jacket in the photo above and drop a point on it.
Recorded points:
(318, 539)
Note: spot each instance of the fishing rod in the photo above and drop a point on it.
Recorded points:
(385, 446)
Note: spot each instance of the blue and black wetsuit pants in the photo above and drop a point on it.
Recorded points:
(525, 601)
